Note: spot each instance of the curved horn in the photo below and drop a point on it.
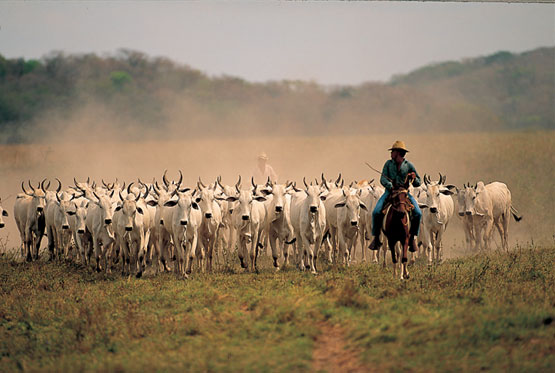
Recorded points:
(165, 180)
(219, 182)
(252, 182)
(105, 185)
(129, 187)
(23, 187)
(123, 186)
(59, 186)
(342, 183)
(58, 198)
(180, 179)
(295, 187)
(200, 183)
(30, 186)
(43, 187)
(238, 185)
(139, 194)
(96, 195)
(305, 184)
(269, 182)
(120, 196)
(440, 178)
(88, 180)
(338, 179)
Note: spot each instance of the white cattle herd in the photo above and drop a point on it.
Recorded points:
(144, 225)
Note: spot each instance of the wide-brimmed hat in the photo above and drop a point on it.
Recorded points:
(399, 145)
(263, 156)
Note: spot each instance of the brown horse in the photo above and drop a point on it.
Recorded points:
(397, 227)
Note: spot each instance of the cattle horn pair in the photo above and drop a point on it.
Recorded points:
(305, 184)
(338, 180)
(200, 184)
(442, 179)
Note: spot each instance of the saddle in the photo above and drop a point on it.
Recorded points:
(389, 202)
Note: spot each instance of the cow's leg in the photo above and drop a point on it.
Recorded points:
(273, 242)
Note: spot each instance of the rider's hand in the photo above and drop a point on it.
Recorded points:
(412, 175)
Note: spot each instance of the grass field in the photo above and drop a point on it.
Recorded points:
(486, 312)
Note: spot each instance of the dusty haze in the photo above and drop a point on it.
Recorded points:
(521, 160)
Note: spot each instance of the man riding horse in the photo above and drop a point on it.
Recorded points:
(396, 172)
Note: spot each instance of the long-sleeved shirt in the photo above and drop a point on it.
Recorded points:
(261, 176)
(398, 176)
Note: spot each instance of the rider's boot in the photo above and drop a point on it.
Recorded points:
(376, 243)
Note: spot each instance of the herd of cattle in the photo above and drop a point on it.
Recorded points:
(159, 224)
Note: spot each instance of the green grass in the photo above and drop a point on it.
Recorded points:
(485, 312)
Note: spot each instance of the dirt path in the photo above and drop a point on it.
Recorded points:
(330, 353)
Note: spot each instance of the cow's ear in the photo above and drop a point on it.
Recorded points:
(363, 206)
(140, 210)
(71, 213)
(341, 204)
(4, 213)
(265, 191)
(231, 199)
(118, 208)
(447, 192)
(260, 198)
(422, 205)
(152, 203)
(170, 203)
(195, 206)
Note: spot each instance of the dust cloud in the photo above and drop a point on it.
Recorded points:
(96, 144)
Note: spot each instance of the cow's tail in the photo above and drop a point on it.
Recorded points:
(514, 212)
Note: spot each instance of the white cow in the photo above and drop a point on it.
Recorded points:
(211, 222)
(490, 205)
(278, 223)
(308, 217)
(249, 219)
(162, 228)
(466, 218)
(29, 218)
(228, 233)
(100, 212)
(437, 212)
(185, 221)
(77, 215)
(348, 217)
(131, 234)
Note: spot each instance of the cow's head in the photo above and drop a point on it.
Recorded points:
(352, 205)
(183, 205)
(38, 202)
(79, 213)
(314, 197)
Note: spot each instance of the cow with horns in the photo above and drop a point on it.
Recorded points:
(29, 218)
(437, 211)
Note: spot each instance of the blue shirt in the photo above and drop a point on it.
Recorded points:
(397, 175)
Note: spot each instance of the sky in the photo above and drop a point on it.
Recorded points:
(331, 43)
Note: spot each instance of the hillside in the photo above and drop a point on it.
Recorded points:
(132, 96)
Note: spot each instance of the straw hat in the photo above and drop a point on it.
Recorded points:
(263, 156)
(399, 145)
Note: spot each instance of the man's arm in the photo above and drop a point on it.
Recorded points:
(384, 179)
(416, 180)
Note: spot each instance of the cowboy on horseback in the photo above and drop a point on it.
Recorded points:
(396, 171)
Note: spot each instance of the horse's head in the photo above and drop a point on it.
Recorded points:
(400, 200)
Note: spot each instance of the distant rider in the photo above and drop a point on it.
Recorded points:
(394, 174)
